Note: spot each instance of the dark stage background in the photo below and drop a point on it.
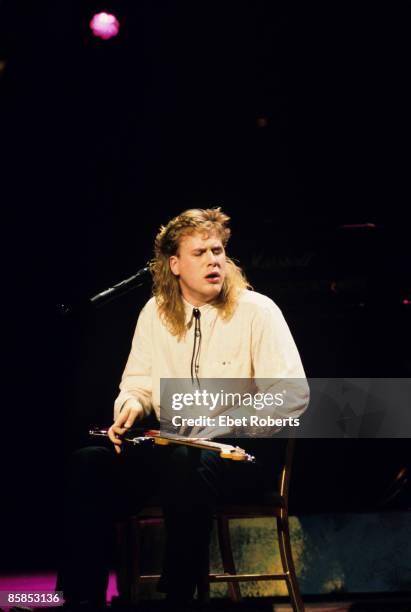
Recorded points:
(293, 120)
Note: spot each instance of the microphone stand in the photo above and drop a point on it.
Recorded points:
(112, 293)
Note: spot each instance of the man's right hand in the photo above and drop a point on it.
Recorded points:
(123, 422)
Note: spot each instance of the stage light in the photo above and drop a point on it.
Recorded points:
(104, 25)
(359, 226)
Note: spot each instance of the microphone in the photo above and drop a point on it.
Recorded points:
(121, 288)
(195, 358)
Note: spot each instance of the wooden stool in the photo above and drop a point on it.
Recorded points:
(129, 577)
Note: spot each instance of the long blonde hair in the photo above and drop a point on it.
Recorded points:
(166, 288)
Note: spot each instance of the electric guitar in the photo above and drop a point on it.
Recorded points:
(154, 436)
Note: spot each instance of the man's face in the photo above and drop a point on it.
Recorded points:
(200, 266)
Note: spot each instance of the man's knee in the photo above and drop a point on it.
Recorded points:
(91, 458)
(192, 475)
(90, 468)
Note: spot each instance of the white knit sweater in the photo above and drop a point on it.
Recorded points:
(255, 343)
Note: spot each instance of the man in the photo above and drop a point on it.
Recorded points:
(202, 321)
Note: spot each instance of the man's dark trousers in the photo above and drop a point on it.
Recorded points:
(103, 487)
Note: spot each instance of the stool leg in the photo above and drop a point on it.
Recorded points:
(227, 556)
(288, 563)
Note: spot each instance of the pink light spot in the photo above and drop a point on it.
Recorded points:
(104, 25)
(406, 302)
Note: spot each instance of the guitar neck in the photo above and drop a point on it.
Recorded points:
(196, 442)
